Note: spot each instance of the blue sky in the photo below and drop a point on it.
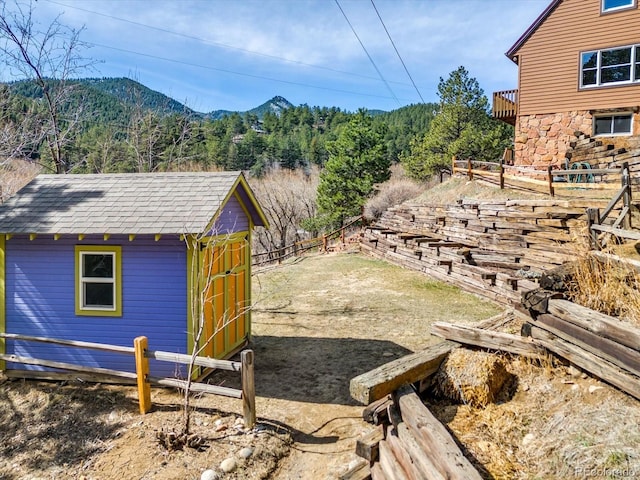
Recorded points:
(236, 54)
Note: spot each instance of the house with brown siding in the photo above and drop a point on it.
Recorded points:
(578, 77)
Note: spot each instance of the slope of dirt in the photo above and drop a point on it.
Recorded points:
(318, 322)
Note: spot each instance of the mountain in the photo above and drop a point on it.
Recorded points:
(133, 93)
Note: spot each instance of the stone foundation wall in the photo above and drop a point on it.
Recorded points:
(542, 140)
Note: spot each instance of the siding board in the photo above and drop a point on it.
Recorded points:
(40, 299)
(549, 60)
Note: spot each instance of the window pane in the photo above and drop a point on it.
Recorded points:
(615, 74)
(616, 57)
(589, 77)
(98, 265)
(622, 124)
(637, 72)
(608, 4)
(589, 60)
(98, 295)
(603, 125)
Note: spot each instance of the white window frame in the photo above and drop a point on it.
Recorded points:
(633, 78)
(604, 9)
(613, 115)
(115, 280)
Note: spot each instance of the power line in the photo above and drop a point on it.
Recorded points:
(397, 52)
(369, 56)
(206, 67)
(215, 44)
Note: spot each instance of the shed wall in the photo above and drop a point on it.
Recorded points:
(549, 61)
(40, 295)
(232, 218)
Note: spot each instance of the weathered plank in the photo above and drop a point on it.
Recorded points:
(596, 322)
(367, 446)
(389, 463)
(588, 361)
(434, 437)
(377, 383)
(488, 339)
(410, 468)
(359, 471)
(417, 454)
(611, 351)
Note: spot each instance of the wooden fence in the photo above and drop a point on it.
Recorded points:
(297, 248)
(143, 376)
(541, 181)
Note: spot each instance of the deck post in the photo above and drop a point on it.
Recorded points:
(550, 179)
(140, 345)
(248, 388)
(502, 172)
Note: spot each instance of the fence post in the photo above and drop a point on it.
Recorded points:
(593, 218)
(550, 179)
(469, 168)
(140, 345)
(453, 165)
(324, 242)
(248, 388)
(502, 172)
(626, 196)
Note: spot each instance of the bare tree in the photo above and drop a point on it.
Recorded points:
(49, 57)
(288, 197)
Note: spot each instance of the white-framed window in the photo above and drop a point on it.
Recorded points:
(609, 67)
(614, 124)
(613, 5)
(98, 280)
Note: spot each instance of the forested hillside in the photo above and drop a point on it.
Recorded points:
(119, 125)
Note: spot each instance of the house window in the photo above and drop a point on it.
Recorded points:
(98, 280)
(606, 67)
(612, 5)
(613, 124)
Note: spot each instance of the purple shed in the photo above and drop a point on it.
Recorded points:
(106, 258)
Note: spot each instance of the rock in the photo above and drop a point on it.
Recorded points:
(387, 354)
(246, 452)
(228, 465)
(594, 388)
(209, 475)
(528, 438)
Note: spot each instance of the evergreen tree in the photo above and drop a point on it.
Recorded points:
(461, 128)
(357, 161)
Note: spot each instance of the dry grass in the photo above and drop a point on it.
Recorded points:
(556, 425)
(608, 286)
(455, 188)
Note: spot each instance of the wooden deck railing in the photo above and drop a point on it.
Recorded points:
(505, 106)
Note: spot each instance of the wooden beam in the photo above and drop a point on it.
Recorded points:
(376, 412)
(436, 440)
(66, 366)
(588, 361)
(375, 384)
(596, 322)
(248, 388)
(367, 446)
(478, 337)
(611, 351)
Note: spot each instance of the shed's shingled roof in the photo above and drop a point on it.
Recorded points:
(143, 203)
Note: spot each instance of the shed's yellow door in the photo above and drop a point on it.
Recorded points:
(225, 296)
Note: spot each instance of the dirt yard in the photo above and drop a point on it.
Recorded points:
(318, 322)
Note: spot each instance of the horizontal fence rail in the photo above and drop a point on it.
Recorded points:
(294, 249)
(142, 376)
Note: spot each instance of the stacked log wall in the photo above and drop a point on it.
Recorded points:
(493, 248)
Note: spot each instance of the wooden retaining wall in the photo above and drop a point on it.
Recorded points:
(495, 248)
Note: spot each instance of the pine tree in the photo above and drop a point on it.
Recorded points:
(357, 161)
